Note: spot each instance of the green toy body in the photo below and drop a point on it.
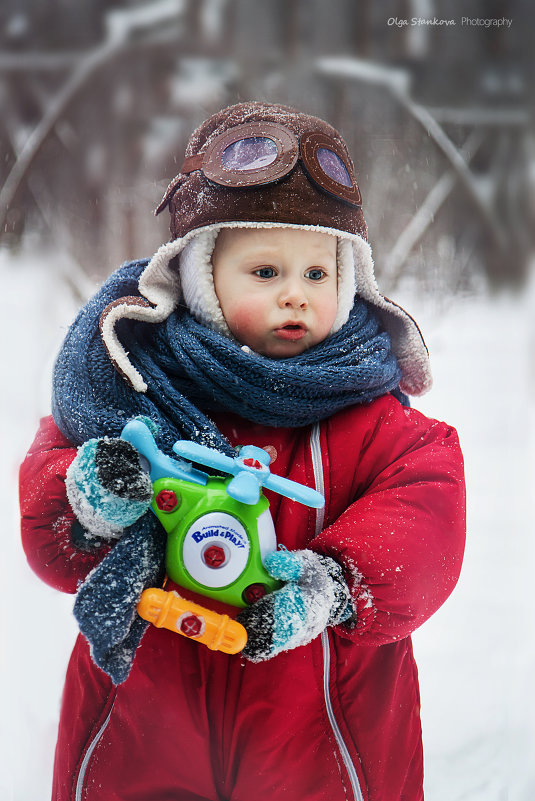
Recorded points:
(215, 544)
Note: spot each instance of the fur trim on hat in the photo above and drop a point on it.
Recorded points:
(159, 284)
(347, 286)
(197, 282)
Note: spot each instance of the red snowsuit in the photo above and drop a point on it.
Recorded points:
(337, 719)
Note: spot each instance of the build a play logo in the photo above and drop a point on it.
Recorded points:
(228, 533)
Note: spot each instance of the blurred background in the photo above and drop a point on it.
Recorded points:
(98, 99)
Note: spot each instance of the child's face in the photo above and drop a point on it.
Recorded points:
(277, 287)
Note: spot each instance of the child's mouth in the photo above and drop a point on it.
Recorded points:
(292, 331)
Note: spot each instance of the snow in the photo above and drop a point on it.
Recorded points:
(476, 656)
(37, 627)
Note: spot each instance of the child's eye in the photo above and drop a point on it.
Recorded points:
(265, 272)
(315, 274)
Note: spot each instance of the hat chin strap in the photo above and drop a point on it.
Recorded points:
(198, 290)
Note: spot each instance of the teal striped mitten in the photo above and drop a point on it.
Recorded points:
(314, 596)
(107, 487)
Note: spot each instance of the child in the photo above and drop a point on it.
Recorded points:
(258, 323)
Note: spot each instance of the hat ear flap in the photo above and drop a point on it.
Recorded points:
(159, 288)
(133, 308)
(407, 341)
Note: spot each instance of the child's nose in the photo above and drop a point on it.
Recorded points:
(293, 296)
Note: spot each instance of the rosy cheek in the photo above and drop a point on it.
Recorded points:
(244, 319)
(332, 311)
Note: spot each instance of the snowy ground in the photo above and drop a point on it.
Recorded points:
(476, 655)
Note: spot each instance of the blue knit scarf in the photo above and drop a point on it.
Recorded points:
(192, 371)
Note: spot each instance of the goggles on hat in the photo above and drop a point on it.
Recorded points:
(259, 153)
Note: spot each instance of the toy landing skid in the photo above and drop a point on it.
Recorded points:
(168, 610)
(219, 532)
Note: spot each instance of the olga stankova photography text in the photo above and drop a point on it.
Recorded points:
(465, 22)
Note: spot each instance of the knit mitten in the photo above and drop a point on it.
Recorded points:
(107, 487)
(315, 596)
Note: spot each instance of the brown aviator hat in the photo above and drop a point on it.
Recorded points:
(272, 148)
(261, 165)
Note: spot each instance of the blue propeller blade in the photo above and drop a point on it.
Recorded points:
(161, 466)
(203, 455)
(294, 491)
(251, 469)
(244, 487)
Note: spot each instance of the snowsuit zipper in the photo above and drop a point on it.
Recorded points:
(85, 762)
(317, 464)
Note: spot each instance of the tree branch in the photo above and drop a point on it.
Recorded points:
(425, 215)
(121, 27)
(397, 83)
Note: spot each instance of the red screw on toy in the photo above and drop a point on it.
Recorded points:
(191, 625)
(214, 556)
(253, 463)
(166, 500)
(253, 593)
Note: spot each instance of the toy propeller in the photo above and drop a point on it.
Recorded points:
(251, 472)
(159, 464)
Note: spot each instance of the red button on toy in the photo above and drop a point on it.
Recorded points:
(214, 556)
(253, 463)
(253, 593)
(191, 625)
(166, 500)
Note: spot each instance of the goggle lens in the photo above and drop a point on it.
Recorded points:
(333, 166)
(251, 153)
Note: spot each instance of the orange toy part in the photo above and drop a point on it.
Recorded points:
(168, 610)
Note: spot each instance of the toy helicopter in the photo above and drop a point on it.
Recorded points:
(219, 532)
